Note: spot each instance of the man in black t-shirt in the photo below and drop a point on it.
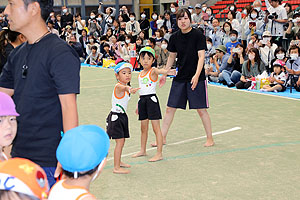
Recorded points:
(42, 75)
(67, 18)
(189, 46)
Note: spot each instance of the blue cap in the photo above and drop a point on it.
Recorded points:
(122, 65)
(82, 148)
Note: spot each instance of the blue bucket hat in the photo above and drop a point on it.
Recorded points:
(82, 148)
(122, 65)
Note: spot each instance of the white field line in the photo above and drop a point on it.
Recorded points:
(183, 141)
(249, 92)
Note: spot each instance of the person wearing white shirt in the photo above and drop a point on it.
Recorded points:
(276, 19)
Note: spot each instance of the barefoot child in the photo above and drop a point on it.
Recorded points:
(277, 78)
(8, 123)
(117, 120)
(148, 105)
(82, 154)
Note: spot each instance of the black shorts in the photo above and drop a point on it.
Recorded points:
(181, 92)
(283, 87)
(149, 108)
(117, 125)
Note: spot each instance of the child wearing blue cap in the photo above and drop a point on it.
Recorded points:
(82, 154)
(148, 105)
(117, 120)
(8, 123)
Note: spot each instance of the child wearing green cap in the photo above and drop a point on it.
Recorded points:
(117, 120)
(8, 123)
(148, 105)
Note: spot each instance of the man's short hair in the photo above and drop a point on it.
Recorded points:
(292, 47)
(152, 40)
(181, 13)
(175, 4)
(45, 5)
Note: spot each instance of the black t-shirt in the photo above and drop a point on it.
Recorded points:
(187, 46)
(53, 69)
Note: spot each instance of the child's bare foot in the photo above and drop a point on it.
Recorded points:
(209, 143)
(121, 171)
(124, 165)
(139, 154)
(157, 157)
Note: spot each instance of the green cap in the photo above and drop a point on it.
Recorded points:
(148, 49)
(222, 48)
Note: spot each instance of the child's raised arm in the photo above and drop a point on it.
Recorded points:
(120, 89)
(155, 72)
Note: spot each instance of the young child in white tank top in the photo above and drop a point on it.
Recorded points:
(148, 105)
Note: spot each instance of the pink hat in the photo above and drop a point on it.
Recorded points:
(7, 105)
(279, 63)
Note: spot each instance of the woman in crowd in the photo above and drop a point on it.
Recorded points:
(144, 24)
(227, 28)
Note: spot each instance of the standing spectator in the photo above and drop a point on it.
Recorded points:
(153, 23)
(79, 25)
(235, 24)
(144, 24)
(109, 11)
(133, 27)
(66, 18)
(58, 25)
(124, 13)
(45, 88)
(251, 68)
(244, 15)
(174, 9)
(257, 6)
(276, 19)
(93, 25)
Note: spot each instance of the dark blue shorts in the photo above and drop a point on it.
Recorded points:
(181, 92)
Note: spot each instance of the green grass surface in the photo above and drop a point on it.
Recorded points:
(259, 161)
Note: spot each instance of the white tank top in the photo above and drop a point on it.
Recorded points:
(62, 191)
(119, 104)
(147, 85)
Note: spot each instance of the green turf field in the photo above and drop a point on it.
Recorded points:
(256, 156)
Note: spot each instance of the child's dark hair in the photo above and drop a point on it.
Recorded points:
(94, 47)
(146, 53)
(80, 174)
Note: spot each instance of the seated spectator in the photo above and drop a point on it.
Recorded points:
(254, 25)
(251, 68)
(22, 179)
(217, 33)
(82, 154)
(236, 61)
(257, 6)
(168, 23)
(94, 57)
(139, 44)
(114, 47)
(227, 28)
(109, 33)
(109, 23)
(126, 48)
(267, 49)
(159, 36)
(78, 25)
(103, 40)
(211, 71)
(293, 27)
(51, 28)
(233, 41)
(244, 19)
(77, 47)
(152, 44)
(221, 58)
(277, 78)
(163, 54)
(133, 27)
(279, 54)
(160, 21)
(66, 33)
(293, 66)
(92, 42)
(93, 25)
(253, 43)
(83, 39)
(210, 50)
(107, 52)
(207, 21)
